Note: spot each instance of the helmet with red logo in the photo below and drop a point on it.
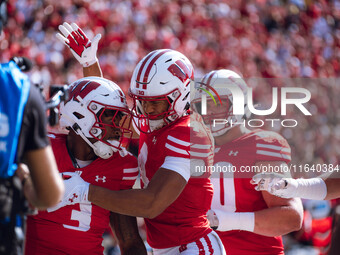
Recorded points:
(221, 83)
(161, 75)
(91, 100)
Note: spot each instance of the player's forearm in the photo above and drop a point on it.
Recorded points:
(132, 247)
(137, 248)
(93, 70)
(134, 202)
(126, 231)
(278, 221)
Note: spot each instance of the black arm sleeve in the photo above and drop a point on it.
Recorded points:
(33, 129)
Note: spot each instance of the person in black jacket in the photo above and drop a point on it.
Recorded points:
(23, 140)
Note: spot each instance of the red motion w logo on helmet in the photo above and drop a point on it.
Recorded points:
(82, 89)
(147, 69)
(181, 71)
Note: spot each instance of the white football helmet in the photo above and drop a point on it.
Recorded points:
(208, 84)
(161, 75)
(90, 97)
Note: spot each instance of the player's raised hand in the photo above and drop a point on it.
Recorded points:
(82, 48)
(76, 191)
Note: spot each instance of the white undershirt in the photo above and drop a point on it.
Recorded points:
(83, 163)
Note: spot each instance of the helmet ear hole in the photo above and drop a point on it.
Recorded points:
(139, 107)
(170, 100)
(186, 96)
(247, 112)
(78, 115)
(187, 106)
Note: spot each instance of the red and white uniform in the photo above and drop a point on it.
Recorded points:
(237, 194)
(78, 229)
(171, 147)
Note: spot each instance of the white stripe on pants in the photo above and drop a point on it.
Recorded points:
(209, 244)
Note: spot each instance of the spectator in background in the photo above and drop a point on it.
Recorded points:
(257, 38)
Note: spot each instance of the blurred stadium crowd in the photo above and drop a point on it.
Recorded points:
(261, 38)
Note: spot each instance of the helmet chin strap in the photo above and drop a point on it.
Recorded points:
(101, 149)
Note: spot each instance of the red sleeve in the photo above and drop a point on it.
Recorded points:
(178, 143)
(271, 146)
(130, 172)
(192, 142)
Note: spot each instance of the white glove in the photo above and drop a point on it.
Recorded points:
(275, 184)
(76, 191)
(81, 47)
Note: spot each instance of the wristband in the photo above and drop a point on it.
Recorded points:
(90, 63)
(314, 188)
(235, 221)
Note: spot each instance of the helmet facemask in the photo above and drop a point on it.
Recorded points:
(111, 133)
(216, 111)
(153, 122)
(218, 83)
(161, 75)
(97, 111)
(106, 137)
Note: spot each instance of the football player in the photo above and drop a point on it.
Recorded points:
(247, 221)
(94, 116)
(173, 203)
